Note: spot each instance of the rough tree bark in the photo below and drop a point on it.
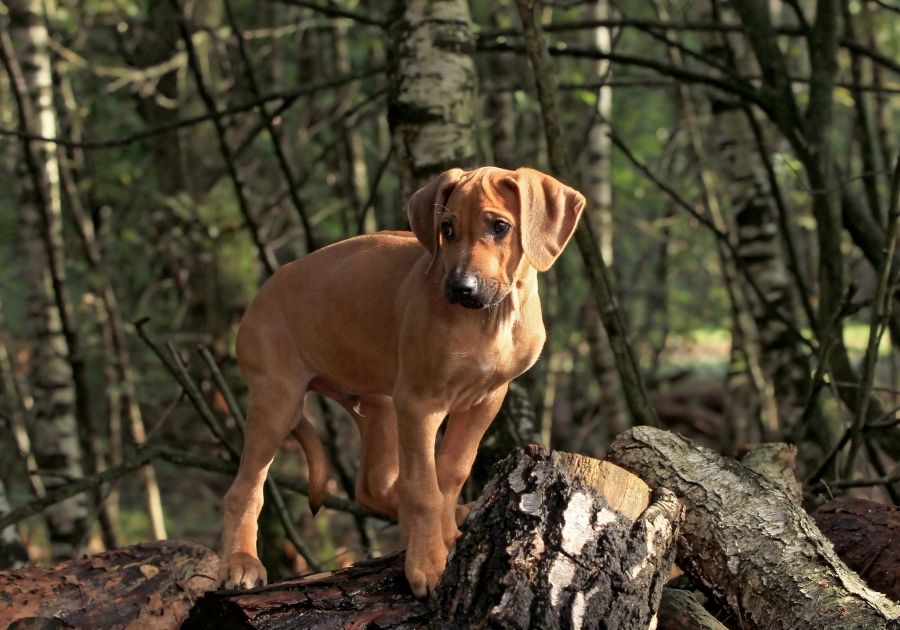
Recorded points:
(750, 543)
(150, 585)
(431, 107)
(12, 551)
(747, 191)
(53, 360)
(557, 540)
(560, 540)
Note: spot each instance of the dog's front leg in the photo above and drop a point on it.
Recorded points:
(421, 501)
(458, 450)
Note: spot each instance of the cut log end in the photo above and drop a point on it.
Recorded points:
(543, 547)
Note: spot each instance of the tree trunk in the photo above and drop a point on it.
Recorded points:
(54, 384)
(12, 551)
(556, 540)
(150, 585)
(750, 543)
(431, 107)
(747, 191)
(597, 186)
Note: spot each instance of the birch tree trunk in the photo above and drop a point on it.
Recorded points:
(597, 186)
(56, 431)
(431, 108)
(12, 551)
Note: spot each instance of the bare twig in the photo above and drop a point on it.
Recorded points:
(287, 98)
(266, 256)
(333, 10)
(880, 313)
(190, 388)
(274, 135)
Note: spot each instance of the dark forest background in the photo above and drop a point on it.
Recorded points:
(161, 158)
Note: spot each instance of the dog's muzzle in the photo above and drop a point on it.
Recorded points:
(465, 290)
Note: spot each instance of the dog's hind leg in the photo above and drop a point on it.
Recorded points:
(379, 467)
(275, 409)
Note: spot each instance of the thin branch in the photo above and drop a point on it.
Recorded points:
(332, 10)
(601, 287)
(287, 98)
(880, 313)
(373, 190)
(648, 25)
(143, 456)
(719, 234)
(274, 135)
(730, 85)
(190, 388)
(266, 256)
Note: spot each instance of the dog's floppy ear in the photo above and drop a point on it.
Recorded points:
(548, 213)
(427, 203)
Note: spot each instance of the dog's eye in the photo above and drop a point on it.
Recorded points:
(501, 227)
(447, 230)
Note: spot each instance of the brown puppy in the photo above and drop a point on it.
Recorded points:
(401, 335)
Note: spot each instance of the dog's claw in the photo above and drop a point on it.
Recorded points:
(424, 568)
(241, 571)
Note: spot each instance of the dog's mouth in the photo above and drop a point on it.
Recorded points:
(473, 303)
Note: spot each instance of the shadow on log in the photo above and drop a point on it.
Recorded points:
(749, 541)
(150, 585)
(556, 540)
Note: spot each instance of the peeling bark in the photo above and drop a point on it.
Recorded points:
(750, 543)
(556, 541)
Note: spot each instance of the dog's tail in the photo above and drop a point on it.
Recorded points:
(306, 434)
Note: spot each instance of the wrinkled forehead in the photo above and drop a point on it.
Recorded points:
(483, 189)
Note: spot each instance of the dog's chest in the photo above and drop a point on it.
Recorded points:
(478, 369)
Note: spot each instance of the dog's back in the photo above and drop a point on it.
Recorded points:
(352, 285)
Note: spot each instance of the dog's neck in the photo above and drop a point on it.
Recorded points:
(501, 316)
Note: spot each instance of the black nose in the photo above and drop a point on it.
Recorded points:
(462, 286)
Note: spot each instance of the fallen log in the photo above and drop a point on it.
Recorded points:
(150, 585)
(750, 543)
(370, 594)
(866, 535)
(556, 540)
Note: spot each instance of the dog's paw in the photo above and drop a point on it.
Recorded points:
(424, 569)
(241, 570)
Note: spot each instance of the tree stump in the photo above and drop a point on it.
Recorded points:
(151, 585)
(866, 535)
(556, 540)
(560, 540)
(749, 541)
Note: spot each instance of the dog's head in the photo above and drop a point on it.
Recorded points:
(487, 225)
